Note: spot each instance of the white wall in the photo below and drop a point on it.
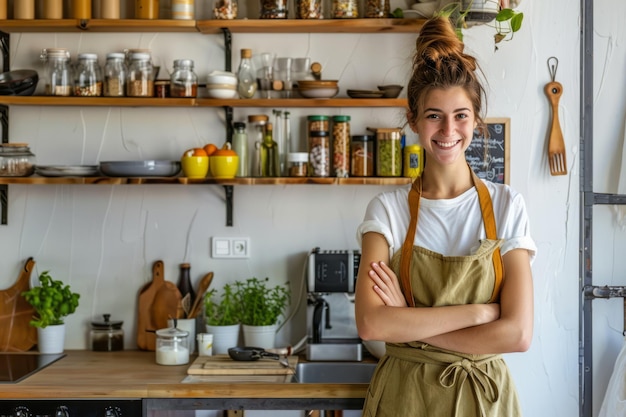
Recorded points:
(103, 239)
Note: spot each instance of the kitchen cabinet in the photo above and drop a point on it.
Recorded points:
(203, 27)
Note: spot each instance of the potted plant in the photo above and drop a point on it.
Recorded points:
(261, 308)
(221, 315)
(52, 302)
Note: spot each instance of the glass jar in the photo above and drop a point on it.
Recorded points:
(115, 73)
(377, 8)
(413, 161)
(362, 156)
(341, 146)
(309, 9)
(172, 346)
(273, 9)
(318, 123)
(107, 335)
(344, 9)
(16, 160)
(225, 9)
(298, 163)
(58, 77)
(184, 81)
(88, 80)
(240, 146)
(140, 76)
(319, 154)
(257, 124)
(388, 152)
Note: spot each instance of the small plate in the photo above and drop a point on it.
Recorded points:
(66, 170)
(365, 93)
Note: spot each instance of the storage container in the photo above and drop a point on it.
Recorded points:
(225, 9)
(88, 76)
(184, 81)
(319, 154)
(413, 164)
(106, 335)
(344, 9)
(388, 152)
(362, 156)
(341, 146)
(309, 9)
(58, 76)
(377, 8)
(172, 346)
(16, 160)
(140, 76)
(298, 164)
(115, 73)
(273, 9)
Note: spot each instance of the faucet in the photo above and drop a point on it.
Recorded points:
(320, 305)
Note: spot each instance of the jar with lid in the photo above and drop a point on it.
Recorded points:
(225, 9)
(309, 9)
(362, 156)
(388, 152)
(172, 346)
(88, 80)
(184, 81)
(377, 8)
(140, 76)
(273, 9)
(413, 161)
(319, 153)
(16, 160)
(298, 163)
(115, 73)
(106, 335)
(58, 78)
(257, 124)
(344, 9)
(317, 123)
(341, 146)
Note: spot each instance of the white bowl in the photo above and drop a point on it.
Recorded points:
(221, 77)
(221, 92)
(325, 92)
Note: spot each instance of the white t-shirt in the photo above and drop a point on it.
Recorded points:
(452, 227)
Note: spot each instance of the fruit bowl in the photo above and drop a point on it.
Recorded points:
(223, 167)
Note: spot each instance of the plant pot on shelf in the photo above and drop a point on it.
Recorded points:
(224, 337)
(260, 336)
(51, 339)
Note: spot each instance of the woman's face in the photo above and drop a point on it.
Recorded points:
(445, 125)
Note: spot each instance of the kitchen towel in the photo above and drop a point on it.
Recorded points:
(614, 403)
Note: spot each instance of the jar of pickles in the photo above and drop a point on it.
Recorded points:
(388, 152)
(341, 146)
(377, 8)
(319, 154)
(88, 82)
(362, 156)
(344, 9)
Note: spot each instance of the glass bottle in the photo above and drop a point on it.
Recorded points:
(270, 165)
(257, 124)
(184, 283)
(184, 81)
(287, 138)
(246, 79)
(115, 73)
(57, 72)
(341, 146)
(240, 145)
(88, 80)
(140, 76)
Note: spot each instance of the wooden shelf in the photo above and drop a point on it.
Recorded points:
(36, 180)
(199, 102)
(216, 26)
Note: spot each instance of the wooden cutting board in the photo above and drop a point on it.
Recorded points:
(224, 365)
(16, 334)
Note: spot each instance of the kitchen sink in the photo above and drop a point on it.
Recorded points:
(334, 372)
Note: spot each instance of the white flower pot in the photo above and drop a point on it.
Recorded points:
(260, 336)
(51, 339)
(224, 337)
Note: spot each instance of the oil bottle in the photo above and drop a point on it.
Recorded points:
(270, 164)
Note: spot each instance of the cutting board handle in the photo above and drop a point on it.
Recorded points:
(158, 277)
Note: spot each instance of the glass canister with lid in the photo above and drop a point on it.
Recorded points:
(377, 8)
(309, 9)
(184, 81)
(88, 81)
(341, 146)
(106, 335)
(58, 77)
(16, 160)
(362, 156)
(273, 9)
(388, 152)
(225, 9)
(140, 76)
(115, 73)
(172, 346)
(344, 9)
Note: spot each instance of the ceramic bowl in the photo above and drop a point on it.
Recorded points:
(18, 83)
(223, 167)
(321, 92)
(221, 92)
(148, 168)
(195, 166)
(221, 77)
(391, 90)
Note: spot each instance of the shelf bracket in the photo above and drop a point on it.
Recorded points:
(4, 203)
(228, 112)
(230, 191)
(228, 47)
(4, 45)
(4, 122)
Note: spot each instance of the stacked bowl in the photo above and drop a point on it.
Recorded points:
(221, 84)
(318, 88)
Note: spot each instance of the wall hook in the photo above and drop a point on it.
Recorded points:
(553, 65)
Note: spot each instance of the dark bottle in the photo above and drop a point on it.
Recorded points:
(184, 283)
(270, 164)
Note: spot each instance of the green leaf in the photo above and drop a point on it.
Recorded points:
(516, 21)
(397, 13)
(505, 14)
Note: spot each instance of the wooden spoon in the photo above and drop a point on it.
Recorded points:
(205, 282)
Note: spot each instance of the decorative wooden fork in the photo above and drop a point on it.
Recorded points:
(556, 145)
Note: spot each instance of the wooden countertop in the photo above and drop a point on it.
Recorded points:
(129, 374)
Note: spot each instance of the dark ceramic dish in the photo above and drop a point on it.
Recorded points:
(18, 82)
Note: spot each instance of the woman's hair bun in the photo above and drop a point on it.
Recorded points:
(437, 44)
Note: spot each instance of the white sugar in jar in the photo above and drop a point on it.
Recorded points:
(172, 346)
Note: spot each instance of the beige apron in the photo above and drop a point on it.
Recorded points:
(418, 380)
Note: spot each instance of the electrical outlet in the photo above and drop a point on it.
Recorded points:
(230, 247)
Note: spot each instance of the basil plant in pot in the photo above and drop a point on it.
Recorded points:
(52, 302)
(261, 309)
(221, 315)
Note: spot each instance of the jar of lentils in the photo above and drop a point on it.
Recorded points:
(184, 81)
(115, 73)
(341, 146)
(140, 76)
(388, 152)
(345, 9)
(377, 8)
(362, 156)
(309, 9)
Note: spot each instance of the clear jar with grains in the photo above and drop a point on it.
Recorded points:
(115, 73)
(319, 154)
(388, 152)
(58, 74)
(377, 8)
(309, 9)
(225, 9)
(298, 163)
(273, 9)
(318, 123)
(106, 335)
(344, 9)
(140, 76)
(16, 160)
(184, 81)
(362, 156)
(341, 146)
(88, 77)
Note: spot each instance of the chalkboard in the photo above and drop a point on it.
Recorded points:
(489, 157)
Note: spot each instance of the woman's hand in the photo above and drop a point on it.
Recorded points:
(386, 285)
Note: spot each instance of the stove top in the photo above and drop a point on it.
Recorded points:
(14, 367)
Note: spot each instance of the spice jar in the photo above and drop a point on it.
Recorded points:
(225, 9)
(115, 73)
(16, 160)
(377, 8)
(140, 76)
(184, 81)
(298, 163)
(172, 346)
(344, 9)
(413, 161)
(362, 152)
(58, 77)
(388, 152)
(319, 154)
(107, 335)
(88, 81)
(309, 9)
(341, 146)
(273, 9)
